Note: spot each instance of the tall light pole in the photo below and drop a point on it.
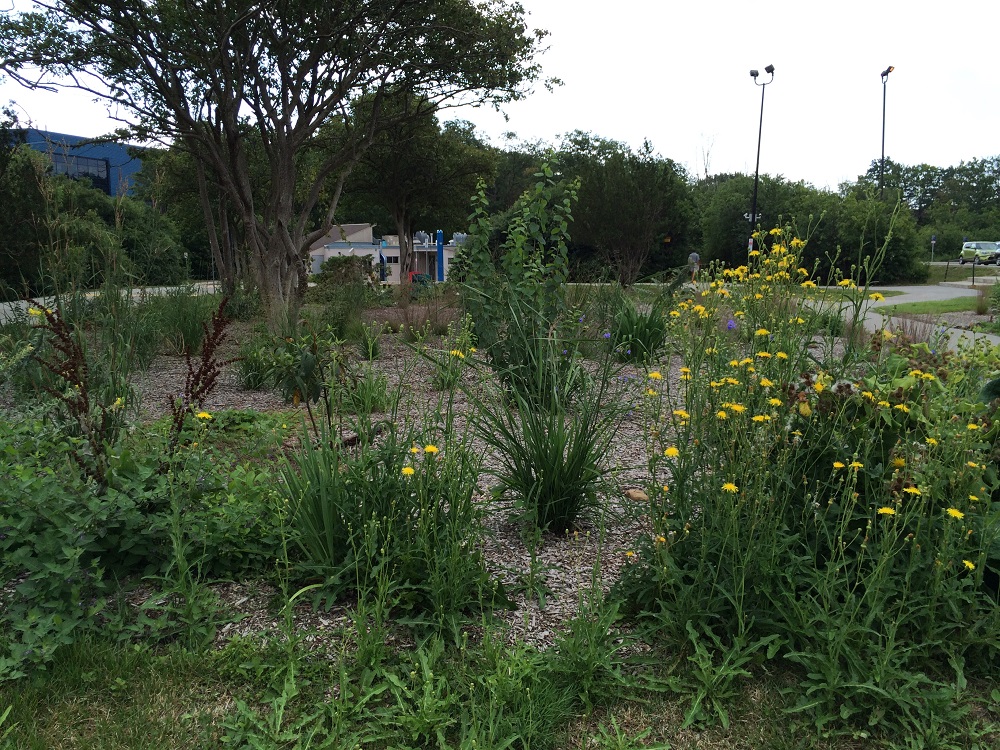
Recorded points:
(881, 164)
(760, 129)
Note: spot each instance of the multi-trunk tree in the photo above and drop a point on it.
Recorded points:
(215, 76)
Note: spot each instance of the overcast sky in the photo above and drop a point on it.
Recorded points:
(677, 74)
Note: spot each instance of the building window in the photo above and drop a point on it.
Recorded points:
(392, 259)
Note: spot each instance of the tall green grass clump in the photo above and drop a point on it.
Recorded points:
(830, 513)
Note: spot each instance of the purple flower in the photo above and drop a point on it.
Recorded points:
(731, 325)
(607, 335)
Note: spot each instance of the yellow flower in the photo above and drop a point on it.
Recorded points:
(903, 408)
(203, 415)
(972, 426)
(884, 404)
(776, 232)
(414, 449)
(969, 564)
(819, 387)
(753, 253)
(762, 332)
(685, 371)
(430, 449)
(838, 465)
(912, 491)
(808, 284)
(972, 464)
(868, 395)
(774, 401)
(407, 471)
(955, 513)
(681, 413)
(671, 452)
(762, 418)
(730, 487)
(781, 355)
(856, 465)
(765, 383)
(630, 554)
(655, 375)
(650, 392)
(876, 297)
(34, 311)
(674, 314)
(899, 462)
(472, 349)
(845, 283)
(457, 353)
(886, 511)
(764, 355)
(721, 414)
(661, 539)
(973, 498)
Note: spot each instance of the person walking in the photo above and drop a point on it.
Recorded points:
(694, 264)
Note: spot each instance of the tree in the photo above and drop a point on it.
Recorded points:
(211, 76)
(418, 170)
(628, 201)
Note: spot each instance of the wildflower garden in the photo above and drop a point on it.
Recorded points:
(812, 554)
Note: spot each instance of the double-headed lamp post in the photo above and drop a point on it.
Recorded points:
(881, 164)
(760, 128)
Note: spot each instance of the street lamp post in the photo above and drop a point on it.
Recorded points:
(760, 129)
(881, 164)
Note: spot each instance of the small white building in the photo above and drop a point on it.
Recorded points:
(358, 240)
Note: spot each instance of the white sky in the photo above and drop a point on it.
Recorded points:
(677, 72)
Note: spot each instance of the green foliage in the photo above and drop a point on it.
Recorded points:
(391, 511)
(824, 511)
(639, 334)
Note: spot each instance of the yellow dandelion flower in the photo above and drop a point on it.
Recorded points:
(762, 332)
(903, 408)
(884, 404)
(681, 413)
(414, 449)
(730, 487)
(845, 283)
(722, 414)
(761, 417)
(856, 465)
(651, 392)
(899, 462)
(685, 371)
(430, 449)
(808, 284)
(655, 375)
(674, 314)
(764, 355)
(774, 401)
(876, 297)
(969, 564)
(781, 355)
(955, 513)
(972, 426)
(34, 311)
(661, 539)
(819, 387)
(972, 464)
(974, 498)
(839, 464)
(738, 408)
(912, 491)
(407, 471)
(886, 511)
(457, 353)
(765, 383)
(203, 415)
(630, 554)
(868, 395)
(753, 253)
(671, 452)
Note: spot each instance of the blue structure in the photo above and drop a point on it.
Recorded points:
(109, 166)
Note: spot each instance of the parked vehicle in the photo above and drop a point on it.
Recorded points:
(979, 253)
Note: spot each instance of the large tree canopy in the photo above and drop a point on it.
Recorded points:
(210, 74)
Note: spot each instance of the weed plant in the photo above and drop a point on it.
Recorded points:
(829, 514)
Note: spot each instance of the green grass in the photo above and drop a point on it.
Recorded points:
(99, 695)
(936, 307)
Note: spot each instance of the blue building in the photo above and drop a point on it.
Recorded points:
(109, 166)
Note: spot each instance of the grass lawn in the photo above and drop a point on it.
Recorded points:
(936, 307)
(956, 272)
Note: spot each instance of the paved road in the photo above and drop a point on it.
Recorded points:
(876, 319)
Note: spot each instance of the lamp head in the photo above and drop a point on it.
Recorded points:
(769, 69)
(754, 74)
(886, 72)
